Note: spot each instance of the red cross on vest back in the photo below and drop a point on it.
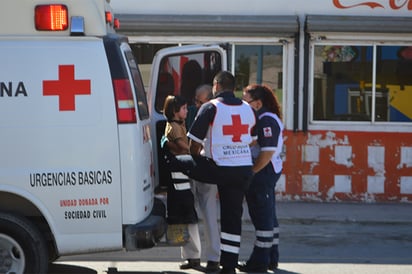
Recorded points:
(66, 88)
(236, 129)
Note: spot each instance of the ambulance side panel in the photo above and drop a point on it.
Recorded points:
(143, 217)
(61, 152)
(136, 147)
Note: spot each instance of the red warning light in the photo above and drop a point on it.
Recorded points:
(109, 17)
(116, 24)
(51, 17)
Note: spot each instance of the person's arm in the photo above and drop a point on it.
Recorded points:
(195, 147)
(176, 135)
(268, 134)
(262, 160)
(200, 127)
(253, 143)
(254, 131)
(182, 147)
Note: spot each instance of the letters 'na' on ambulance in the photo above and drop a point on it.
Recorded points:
(76, 165)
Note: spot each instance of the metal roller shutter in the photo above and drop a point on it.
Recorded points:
(201, 25)
(366, 24)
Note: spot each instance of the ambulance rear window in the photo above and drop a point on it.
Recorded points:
(139, 87)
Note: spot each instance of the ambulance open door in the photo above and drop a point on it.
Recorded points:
(179, 71)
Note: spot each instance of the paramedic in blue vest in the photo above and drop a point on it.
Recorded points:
(224, 128)
(267, 167)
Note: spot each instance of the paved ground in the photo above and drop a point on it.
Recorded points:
(344, 212)
(315, 238)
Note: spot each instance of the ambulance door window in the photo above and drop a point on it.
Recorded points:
(144, 54)
(182, 74)
(142, 106)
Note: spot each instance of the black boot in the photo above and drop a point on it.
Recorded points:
(190, 263)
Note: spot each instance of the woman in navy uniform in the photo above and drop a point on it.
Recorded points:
(224, 129)
(267, 168)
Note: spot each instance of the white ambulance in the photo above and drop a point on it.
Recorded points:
(76, 164)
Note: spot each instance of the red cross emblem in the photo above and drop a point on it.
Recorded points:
(267, 132)
(236, 129)
(66, 88)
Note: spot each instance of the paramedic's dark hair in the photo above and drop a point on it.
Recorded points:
(268, 98)
(226, 80)
(173, 105)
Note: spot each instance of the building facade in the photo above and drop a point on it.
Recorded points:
(342, 69)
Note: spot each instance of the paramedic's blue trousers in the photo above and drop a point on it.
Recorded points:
(262, 210)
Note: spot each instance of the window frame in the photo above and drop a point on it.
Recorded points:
(350, 40)
(287, 105)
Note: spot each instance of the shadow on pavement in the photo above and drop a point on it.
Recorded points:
(201, 270)
(72, 269)
(113, 270)
(282, 271)
(66, 269)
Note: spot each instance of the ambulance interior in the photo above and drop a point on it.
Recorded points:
(181, 75)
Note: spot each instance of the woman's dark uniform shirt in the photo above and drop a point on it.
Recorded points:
(269, 129)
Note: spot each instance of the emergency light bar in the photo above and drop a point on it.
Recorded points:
(51, 17)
